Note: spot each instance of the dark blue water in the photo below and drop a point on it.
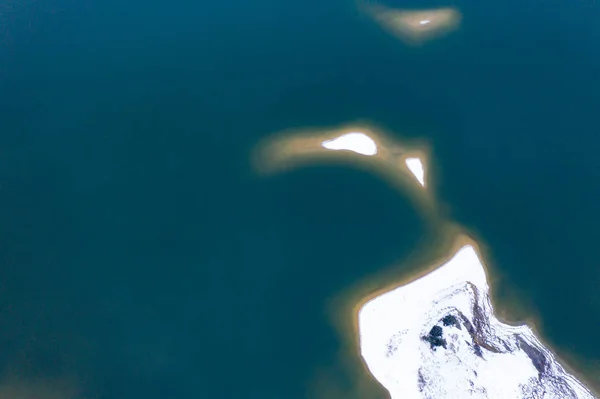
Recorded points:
(141, 256)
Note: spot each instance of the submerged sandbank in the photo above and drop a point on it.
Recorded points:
(415, 27)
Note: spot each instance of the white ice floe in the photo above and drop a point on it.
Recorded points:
(355, 141)
(416, 168)
(437, 337)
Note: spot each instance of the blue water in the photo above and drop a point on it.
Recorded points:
(141, 256)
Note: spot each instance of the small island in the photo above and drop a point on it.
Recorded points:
(437, 337)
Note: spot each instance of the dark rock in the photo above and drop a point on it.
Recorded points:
(421, 381)
(477, 350)
(537, 358)
(435, 337)
(450, 320)
(436, 331)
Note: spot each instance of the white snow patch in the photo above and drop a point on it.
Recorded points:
(416, 167)
(355, 141)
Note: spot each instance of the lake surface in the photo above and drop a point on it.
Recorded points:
(142, 256)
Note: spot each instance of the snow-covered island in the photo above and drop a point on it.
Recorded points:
(437, 337)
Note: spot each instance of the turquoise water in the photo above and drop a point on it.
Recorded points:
(141, 256)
